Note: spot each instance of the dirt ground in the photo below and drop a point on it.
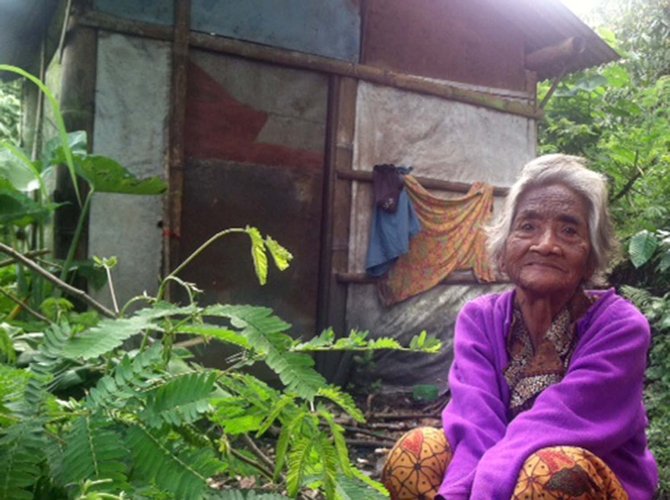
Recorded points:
(388, 416)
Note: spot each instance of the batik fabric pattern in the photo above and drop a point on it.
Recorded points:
(567, 473)
(418, 461)
(452, 238)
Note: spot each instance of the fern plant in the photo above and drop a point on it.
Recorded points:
(150, 422)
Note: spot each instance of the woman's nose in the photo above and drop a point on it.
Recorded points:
(546, 243)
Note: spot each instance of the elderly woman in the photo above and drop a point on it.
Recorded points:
(546, 383)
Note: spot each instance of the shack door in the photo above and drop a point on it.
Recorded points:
(254, 147)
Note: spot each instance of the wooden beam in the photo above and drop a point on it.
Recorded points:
(555, 54)
(428, 183)
(321, 64)
(455, 278)
(175, 165)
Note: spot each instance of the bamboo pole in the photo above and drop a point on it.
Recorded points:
(455, 278)
(428, 183)
(175, 164)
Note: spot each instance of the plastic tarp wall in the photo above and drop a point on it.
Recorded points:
(444, 140)
(328, 28)
(131, 126)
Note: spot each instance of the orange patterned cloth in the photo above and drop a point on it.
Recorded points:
(417, 463)
(452, 238)
(567, 472)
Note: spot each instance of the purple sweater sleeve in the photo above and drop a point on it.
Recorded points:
(474, 420)
(596, 406)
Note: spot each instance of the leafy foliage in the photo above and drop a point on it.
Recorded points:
(10, 112)
(150, 422)
(618, 116)
(117, 407)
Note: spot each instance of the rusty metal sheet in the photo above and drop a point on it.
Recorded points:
(254, 146)
(327, 28)
(446, 39)
(254, 112)
(150, 11)
(282, 202)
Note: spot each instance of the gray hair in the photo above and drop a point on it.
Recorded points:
(571, 172)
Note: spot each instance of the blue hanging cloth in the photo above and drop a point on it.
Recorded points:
(393, 224)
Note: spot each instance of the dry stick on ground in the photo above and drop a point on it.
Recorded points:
(257, 451)
(369, 444)
(58, 282)
(366, 432)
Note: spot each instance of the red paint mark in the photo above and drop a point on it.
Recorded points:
(218, 126)
(413, 443)
(555, 460)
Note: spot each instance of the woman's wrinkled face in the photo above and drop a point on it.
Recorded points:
(548, 249)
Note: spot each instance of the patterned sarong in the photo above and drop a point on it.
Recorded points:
(557, 473)
(452, 238)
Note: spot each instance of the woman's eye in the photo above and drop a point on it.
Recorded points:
(526, 226)
(570, 231)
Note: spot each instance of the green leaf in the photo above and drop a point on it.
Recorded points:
(58, 119)
(284, 402)
(327, 456)
(337, 432)
(281, 256)
(288, 431)
(181, 400)
(108, 176)
(664, 264)
(264, 332)
(642, 247)
(54, 154)
(298, 461)
(243, 495)
(219, 333)
(21, 452)
(129, 379)
(14, 169)
(106, 336)
(181, 471)
(18, 209)
(354, 489)
(343, 400)
(258, 254)
(94, 450)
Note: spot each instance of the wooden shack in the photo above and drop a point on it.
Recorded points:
(272, 113)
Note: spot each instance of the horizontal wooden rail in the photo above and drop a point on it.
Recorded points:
(455, 278)
(322, 64)
(428, 183)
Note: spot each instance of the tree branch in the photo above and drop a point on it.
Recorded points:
(75, 292)
(629, 185)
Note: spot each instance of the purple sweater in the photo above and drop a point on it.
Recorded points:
(597, 406)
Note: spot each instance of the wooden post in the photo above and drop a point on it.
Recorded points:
(334, 367)
(327, 196)
(175, 165)
(77, 101)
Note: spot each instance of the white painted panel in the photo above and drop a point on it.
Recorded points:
(441, 139)
(131, 126)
